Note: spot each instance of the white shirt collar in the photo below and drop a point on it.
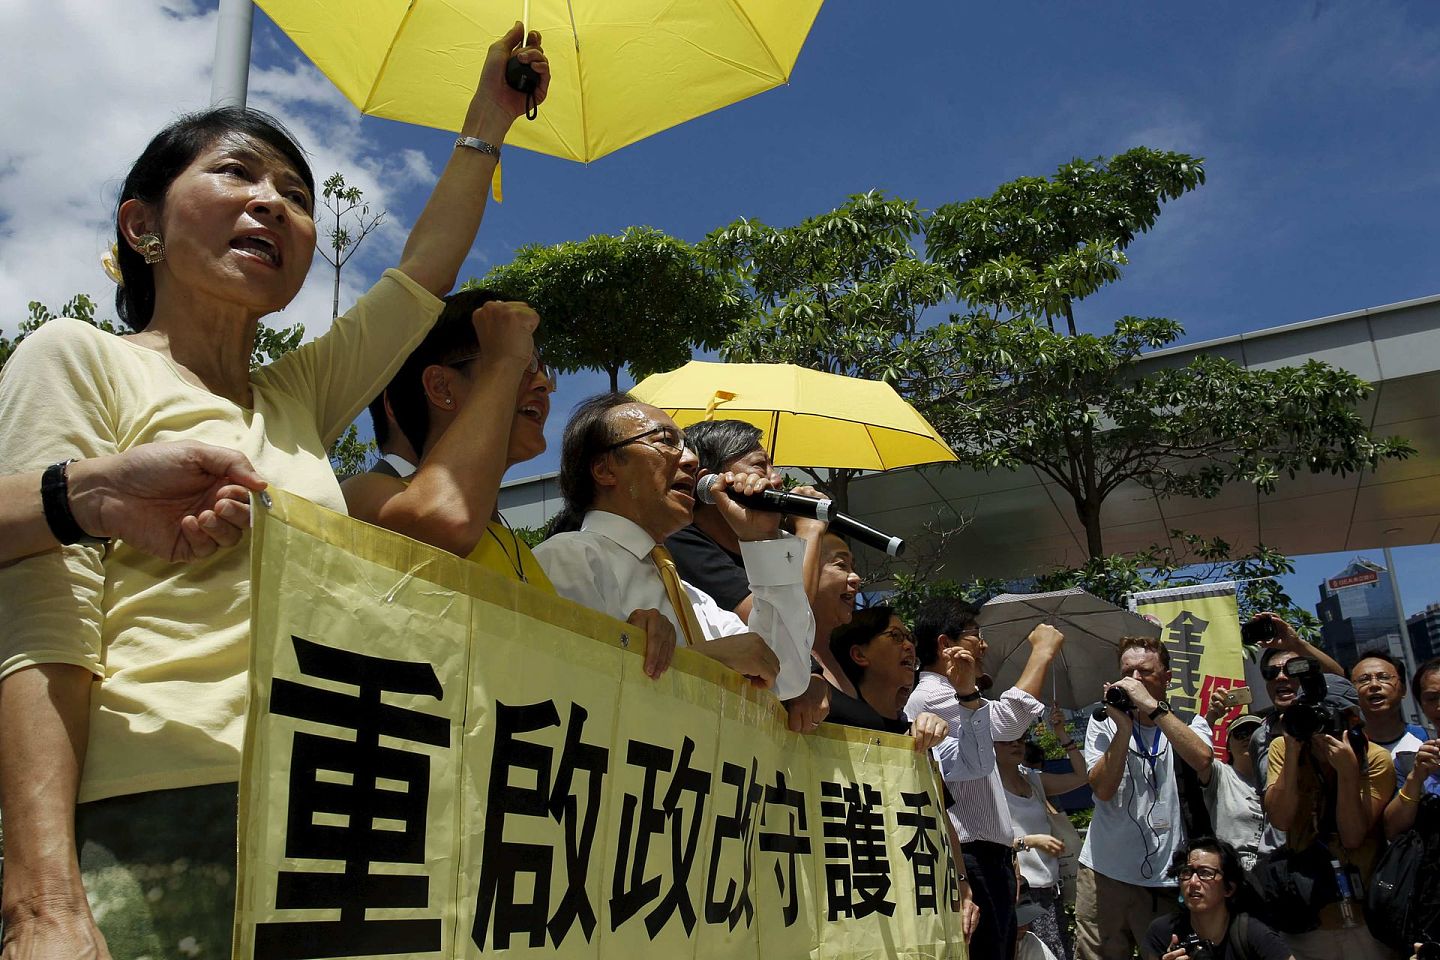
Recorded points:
(627, 533)
(402, 466)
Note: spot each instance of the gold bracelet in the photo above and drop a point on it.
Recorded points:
(1407, 798)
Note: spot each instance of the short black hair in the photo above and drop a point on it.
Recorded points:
(164, 158)
(1384, 655)
(1232, 873)
(1429, 666)
(717, 442)
(866, 625)
(452, 337)
(941, 615)
(379, 421)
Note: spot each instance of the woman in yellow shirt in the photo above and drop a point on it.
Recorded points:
(473, 399)
(214, 231)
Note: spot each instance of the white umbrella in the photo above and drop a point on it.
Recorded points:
(1092, 628)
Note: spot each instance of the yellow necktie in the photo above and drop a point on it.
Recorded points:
(689, 625)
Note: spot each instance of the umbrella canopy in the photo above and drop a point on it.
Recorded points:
(620, 69)
(809, 418)
(1092, 629)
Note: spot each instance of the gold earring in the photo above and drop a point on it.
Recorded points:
(150, 247)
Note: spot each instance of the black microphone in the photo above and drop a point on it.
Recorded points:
(778, 501)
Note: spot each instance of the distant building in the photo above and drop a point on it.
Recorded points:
(1357, 612)
(1425, 632)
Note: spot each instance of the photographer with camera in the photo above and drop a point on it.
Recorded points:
(1327, 788)
(1211, 925)
(1132, 755)
(1279, 644)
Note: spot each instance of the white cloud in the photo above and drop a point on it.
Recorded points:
(84, 85)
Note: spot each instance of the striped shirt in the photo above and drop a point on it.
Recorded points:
(967, 755)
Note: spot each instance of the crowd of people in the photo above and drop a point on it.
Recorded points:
(122, 669)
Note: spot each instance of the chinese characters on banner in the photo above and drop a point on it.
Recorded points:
(1201, 629)
(441, 763)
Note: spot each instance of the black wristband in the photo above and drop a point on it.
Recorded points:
(55, 500)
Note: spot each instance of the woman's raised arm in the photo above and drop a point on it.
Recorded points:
(445, 230)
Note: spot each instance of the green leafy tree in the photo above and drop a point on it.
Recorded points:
(353, 222)
(1080, 411)
(641, 301)
(272, 343)
(1006, 389)
(843, 292)
(1035, 246)
(80, 307)
(350, 455)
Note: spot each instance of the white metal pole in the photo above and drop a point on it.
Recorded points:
(230, 79)
(1407, 653)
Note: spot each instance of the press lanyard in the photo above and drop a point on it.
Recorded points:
(1154, 753)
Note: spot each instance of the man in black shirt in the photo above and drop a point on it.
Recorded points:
(707, 552)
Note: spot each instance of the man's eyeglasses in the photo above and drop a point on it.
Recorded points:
(1204, 873)
(671, 441)
(1272, 672)
(1386, 679)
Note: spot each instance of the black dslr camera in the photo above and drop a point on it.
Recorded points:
(1310, 714)
(1197, 948)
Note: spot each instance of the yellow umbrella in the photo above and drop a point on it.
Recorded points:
(809, 418)
(620, 69)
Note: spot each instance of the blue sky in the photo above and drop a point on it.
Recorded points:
(1316, 119)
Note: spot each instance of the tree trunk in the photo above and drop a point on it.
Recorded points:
(839, 489)
(614, 378)
(1089, 513)
(335, 302)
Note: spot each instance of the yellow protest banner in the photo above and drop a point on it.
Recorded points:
(1202, 632)
(443, 763)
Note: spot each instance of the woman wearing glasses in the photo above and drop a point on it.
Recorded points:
(472, 399)
(1210, 925)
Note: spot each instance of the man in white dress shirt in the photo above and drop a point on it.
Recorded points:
(951, 651)
(629, 481)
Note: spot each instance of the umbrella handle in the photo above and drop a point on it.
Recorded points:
(522, 77)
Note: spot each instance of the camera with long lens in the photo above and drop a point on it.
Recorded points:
(1197, 948)
(1116, 697)
(1309, 714)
